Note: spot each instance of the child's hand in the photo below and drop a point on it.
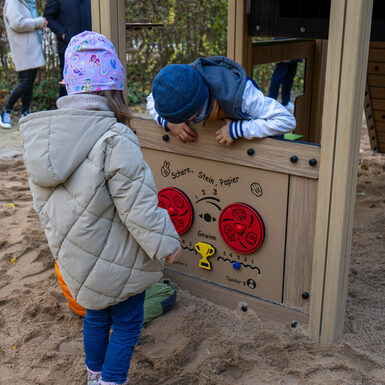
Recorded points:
(183, 132)
(223, 134)
(174, 256)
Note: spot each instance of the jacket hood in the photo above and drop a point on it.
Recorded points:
(56, 142)
(226, 80)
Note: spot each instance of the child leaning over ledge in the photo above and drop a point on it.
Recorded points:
(215, 88)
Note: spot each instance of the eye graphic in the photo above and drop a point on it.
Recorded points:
(206, 215)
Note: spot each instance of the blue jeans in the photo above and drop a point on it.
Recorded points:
(112, 354)
(284, 74)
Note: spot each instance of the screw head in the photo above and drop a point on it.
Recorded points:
(166, 138)
(302, 29)
(313, 162)
(294, 159)
(305, 295)
(250, 151)
(258, 27)
(244, 308)
(294, 324)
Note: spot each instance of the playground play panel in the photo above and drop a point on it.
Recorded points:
(245, 215)
(280, 241)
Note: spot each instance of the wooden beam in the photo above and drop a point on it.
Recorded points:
(238, 40)
(347, 58)
(266, 310)
(281, 50)
(267, 153)
(319, 71)
(109, 19)
(299, 241)
(231, 17)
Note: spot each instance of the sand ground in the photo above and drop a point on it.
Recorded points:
(196, 343)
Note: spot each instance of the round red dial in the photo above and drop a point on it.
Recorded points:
(178, 206)
(241, 228)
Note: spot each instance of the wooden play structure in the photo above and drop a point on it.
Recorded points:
(266, 224)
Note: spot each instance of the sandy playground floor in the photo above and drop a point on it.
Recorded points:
(196, 343)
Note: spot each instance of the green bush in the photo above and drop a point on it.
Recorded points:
(189, 29)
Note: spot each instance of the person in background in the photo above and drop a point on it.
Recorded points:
(24, 31)
(67, 18)
(283, 75)
(98, 205)
(210, 89)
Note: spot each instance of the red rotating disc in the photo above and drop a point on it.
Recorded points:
(241, 228)
(178, 206)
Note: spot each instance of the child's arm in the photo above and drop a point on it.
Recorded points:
(172, 258)
(19, 23)
(181, 131)
(151, 109)
(132, 188)
(264, 117)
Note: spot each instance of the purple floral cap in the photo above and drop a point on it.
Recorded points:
(91, 64)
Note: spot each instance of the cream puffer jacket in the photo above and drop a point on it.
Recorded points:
(97, 203)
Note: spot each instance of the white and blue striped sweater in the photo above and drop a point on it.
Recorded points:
(264, 116)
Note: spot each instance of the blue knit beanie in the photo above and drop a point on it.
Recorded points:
(179, 92)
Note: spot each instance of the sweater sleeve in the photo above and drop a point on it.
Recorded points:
(135, 196)
(264, 116)
(18, 22)
(151, 109)
(51, 12)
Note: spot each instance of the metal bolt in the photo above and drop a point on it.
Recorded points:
(305, 295)
(166, 138)
(250, 151)
(258, 27)
(244, 308)
(294, 324)
(294, 159)
(313, 162)
(302, 29)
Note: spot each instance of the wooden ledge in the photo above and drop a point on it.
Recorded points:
(266, 154)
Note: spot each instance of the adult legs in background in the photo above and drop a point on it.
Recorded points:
(287, 82)
(277, 79)
(112, 355)
(24, 90)
(62, 89)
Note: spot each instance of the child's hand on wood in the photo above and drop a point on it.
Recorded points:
(174, 256)
(223, 134)
(183, 132)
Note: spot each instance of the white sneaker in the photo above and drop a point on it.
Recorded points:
(93, 377)
(5, 119)
(290, 107)
(24, 114)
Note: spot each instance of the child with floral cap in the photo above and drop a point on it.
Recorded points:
(97, 203)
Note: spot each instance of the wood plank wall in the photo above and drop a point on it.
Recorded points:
(375, 96)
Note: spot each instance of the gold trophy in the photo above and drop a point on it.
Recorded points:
(205, 250)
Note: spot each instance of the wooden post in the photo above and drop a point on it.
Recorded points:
(347, 59)
(319, 71)
(238, 41)
(109, 18)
